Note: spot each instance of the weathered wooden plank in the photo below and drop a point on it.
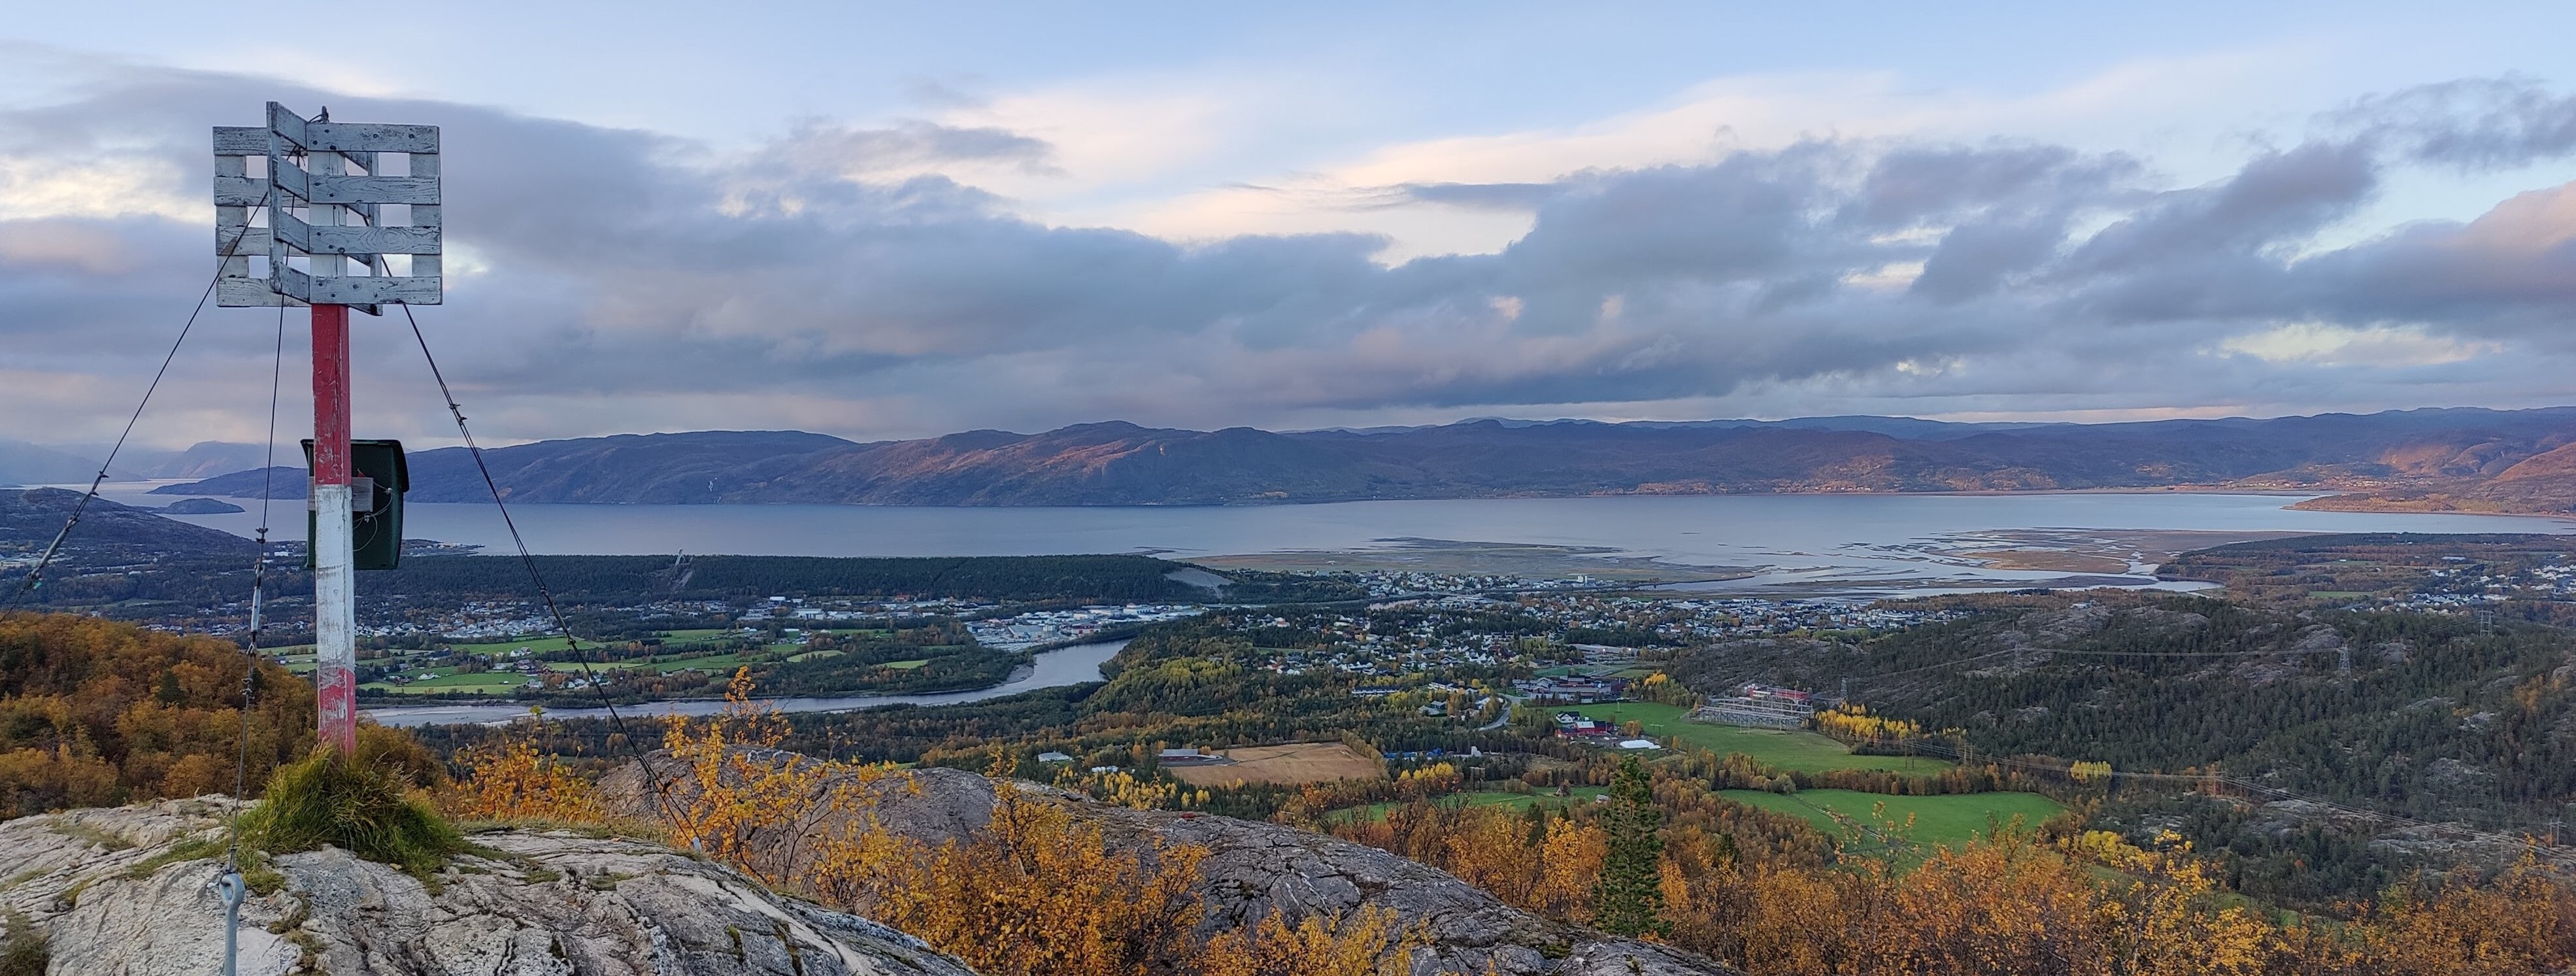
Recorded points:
(241, 140)
(292, 230)
(236, 292)
(324, 166)
(231, 221)
(371, 137)
(372, 189)
(240, 191)
(287, 124)
(289, 282)
(350, 290)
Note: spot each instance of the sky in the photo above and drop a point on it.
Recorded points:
(899, 220)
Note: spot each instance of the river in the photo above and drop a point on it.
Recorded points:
(1052, 669)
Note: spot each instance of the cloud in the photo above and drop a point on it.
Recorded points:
(853, 280)
(2336, 345)
(2473, 124)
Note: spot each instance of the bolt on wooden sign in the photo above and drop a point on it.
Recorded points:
(352, 213)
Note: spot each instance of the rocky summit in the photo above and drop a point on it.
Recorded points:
(128, 891)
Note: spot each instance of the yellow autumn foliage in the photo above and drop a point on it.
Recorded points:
(1854, 722)
(511, 781)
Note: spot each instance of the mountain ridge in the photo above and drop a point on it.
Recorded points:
(2464, 458)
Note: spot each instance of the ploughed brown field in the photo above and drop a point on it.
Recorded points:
(1298, 762)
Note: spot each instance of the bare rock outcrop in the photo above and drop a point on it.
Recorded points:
(126, 891)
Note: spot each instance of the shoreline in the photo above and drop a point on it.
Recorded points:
(147, 487)
(1035, 676)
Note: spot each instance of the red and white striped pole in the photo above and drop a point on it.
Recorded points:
(335, 591)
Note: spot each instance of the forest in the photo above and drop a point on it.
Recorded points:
(2361, 567)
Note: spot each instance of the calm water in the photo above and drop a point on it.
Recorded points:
(1801, 541)
(1063, 666)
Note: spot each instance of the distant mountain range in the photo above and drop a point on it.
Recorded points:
(2435, 459)
(22, 463)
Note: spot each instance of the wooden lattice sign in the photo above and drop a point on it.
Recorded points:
(352, 213)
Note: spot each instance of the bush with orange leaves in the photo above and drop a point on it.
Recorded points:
(2012, 904)
(511, 781)
(742, 800)
(1364, 943)
(98, 713)
(1036, 893)
(1039, 892)
(2524, 921)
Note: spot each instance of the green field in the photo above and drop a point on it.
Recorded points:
(534, 645)
(446, 680)
(1489, 798)
(701, 662)
(906, 665)
(675, 640)
(1789, 749)
(1950, 820)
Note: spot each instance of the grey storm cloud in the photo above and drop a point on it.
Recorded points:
(834, 267)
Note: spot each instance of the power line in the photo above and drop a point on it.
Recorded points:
(258, 593)
(528, 560)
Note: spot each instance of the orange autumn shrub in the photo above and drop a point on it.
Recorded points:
(2522, 922)
(1036, 893)
(742, 800)
(99, 713)
(1364, 943)
(512, 781)
(2012, 904)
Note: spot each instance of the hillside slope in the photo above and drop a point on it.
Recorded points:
(2455, 452)
(1254, 868)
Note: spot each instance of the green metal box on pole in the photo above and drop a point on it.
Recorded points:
(375, 513)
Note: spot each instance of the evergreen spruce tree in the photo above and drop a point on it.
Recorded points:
(1628, 898)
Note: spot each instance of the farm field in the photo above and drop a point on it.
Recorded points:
(534, 645)
(674, 662)
(676, 640)
(1951, 820)
(1791, 749)
(1487, 798)
(446, 680)
(1301, 762)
